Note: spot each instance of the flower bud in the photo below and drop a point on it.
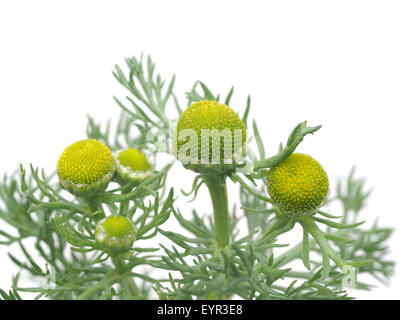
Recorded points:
(115, 233)
(210, 137)
(132, 165)
(86, 167)
(298, 185)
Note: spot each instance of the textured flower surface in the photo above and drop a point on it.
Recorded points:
(211, 115)
(85, 166)
(299, 184)
(132, 165)
(134, 159)
(116, 233)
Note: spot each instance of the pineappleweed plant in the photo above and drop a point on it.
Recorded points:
(87, 230)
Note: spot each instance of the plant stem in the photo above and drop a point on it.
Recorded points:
(124, 206)
(121, 268)
(327, 252)
(280, 225)
(217, 187)
(109, 280)
(95, 206)
(133, 289)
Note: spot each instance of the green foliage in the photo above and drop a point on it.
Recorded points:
(63, 233)
(55, 232)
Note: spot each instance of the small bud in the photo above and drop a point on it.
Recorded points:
(298, 185)
(116, 233)
(132, 165)
(86, 167)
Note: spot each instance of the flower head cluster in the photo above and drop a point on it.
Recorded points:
(86, 167)
(298, 185)
(132, 165)
(211, 135)
(116, 233)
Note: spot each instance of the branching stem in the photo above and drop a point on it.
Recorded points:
(309, 224)
(121, 268)
(108, 281)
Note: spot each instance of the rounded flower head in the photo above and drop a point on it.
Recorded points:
(298, 185)
(210, 137)
(132, 165)
(116, 233)
(86, 167)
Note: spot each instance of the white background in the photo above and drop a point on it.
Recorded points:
(334, 63)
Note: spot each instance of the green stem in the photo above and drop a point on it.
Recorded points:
(95, 206)
(273, 161)
(109, 280)
(294, 140)
(327, 252)
(58, 205)
(121, 269)
(280, 225)
(217, 187)
(133, 289)
(236, 178)
(124, 206)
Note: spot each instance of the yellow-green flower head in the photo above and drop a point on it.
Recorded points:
(86, 167)
(132, 165)
(210, 137)
(115, 233)
(298, 185)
